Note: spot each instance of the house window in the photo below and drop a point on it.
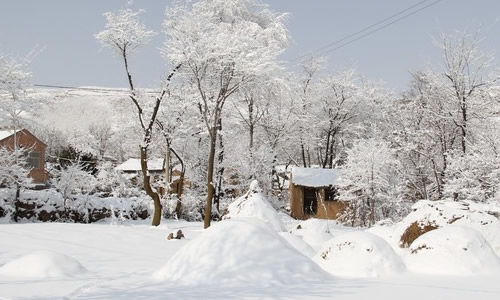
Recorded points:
(310, 201)
(33, 160)
(331, 194)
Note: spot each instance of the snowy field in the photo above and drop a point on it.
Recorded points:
(128, 261)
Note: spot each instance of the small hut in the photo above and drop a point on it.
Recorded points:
(313, 193)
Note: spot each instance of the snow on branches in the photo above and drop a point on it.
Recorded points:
(124, 32)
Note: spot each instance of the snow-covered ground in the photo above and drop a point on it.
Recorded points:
(120, 261)
(254, 252)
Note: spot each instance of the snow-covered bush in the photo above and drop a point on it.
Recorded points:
(73, 180)
(13, 168)
(112, 182)
(359, 254)
(452, 250)
(192, 205)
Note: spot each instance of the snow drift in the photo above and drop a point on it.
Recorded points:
(359, 254)
(42, 265)
(254, 205)
(452, 250)
(239, 251)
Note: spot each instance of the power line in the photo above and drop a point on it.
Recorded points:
(370, 26)
(325, 49)
(86, 88)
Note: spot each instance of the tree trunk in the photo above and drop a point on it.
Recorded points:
(220, 171)
(303, 151)
(327, 150)
(210, 178)
(463, 128)
(180, 185)
(168, 168)
(149, 189)
(16, 202)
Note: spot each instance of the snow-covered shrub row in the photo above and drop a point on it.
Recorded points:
(49, 206)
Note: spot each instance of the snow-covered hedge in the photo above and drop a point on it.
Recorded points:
(49, 206)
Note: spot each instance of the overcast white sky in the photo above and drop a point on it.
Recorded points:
(71, 55)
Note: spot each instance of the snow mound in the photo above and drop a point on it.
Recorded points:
(315, 232)
(443, 213)
(298, 243)
(254, 205)
(359, 254)
(452, 250)
(239, 251)
(41, 265)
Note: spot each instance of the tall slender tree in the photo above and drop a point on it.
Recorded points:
(124, 33)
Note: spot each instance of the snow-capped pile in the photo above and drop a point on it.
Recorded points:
(254, 205)
(239, 251)
(359, 254)
(452, 250)
(42, 265)
(438, 214)
(314, 232)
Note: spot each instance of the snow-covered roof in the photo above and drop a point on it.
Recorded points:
(6, 133)
(134, 164)
(315, 177)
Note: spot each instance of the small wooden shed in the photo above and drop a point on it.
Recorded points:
(313, 193)
(35, 151)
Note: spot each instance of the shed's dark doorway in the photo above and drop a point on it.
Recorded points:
(310, 201)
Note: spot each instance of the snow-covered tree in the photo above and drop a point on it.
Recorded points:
(15, 101)
(221, 46)
(125, 33)
(334, 113)
(473, 176)
(14, 172)
(467, 72)
(13, 168)
(306, 98)
(370, 183)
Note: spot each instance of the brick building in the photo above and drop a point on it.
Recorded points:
(35, 151)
